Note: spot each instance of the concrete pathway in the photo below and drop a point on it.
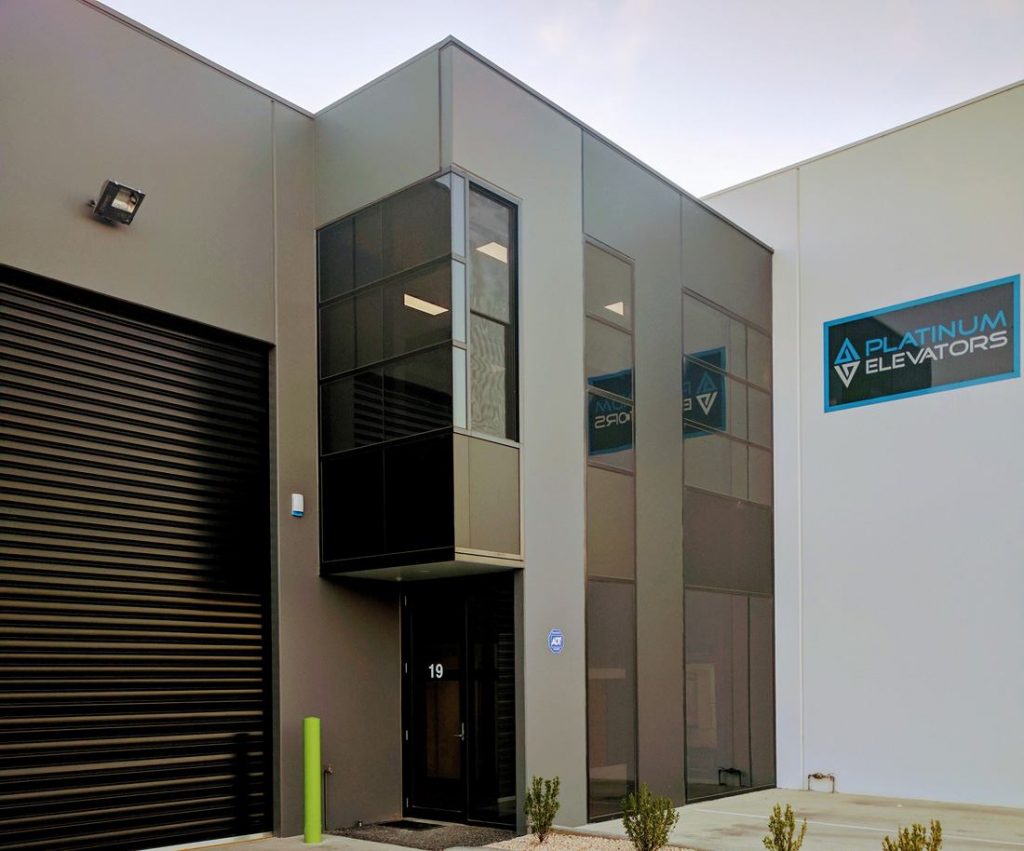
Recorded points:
(837, 822)
(834, 823)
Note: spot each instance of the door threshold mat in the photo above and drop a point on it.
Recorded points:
(427, 836)
(409, 824)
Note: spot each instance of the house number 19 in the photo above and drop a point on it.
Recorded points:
(436, 671)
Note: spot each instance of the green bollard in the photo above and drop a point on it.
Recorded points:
(311, 780)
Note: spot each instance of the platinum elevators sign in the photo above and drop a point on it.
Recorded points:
(954, 339)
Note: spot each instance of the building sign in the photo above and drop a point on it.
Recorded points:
(967, 336)
(556, 641)
(704, 393)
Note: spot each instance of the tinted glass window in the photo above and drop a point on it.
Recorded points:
(609, 289)
(760, 475)
(418, 494)
(368, 263)
(611, 695)
(759, 358)
(714, 337)
(418, 393)
(727, 543)
(350, 333)
(611, 541)
(489, 402)
(713, 462)
(335, 250)
(417, 310)
(351, 412)
(610, 432)
(352, 506)
(759, 413)
(490, 247)
(609, 359)
(416, 226)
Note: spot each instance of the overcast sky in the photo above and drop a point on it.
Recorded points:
(708, 92)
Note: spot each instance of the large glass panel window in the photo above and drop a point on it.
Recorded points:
(387, 281)
(492, 322)
(611, 695)
(611, 530)
(727, 552)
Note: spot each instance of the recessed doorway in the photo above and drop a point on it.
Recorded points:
(459, 699)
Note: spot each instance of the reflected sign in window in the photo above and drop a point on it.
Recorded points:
(610, 426)
(704, 393)
(954, 339)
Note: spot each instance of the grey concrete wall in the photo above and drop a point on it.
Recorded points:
(337, 647)
(633, 212)
(83, 98)
(379, 139)
(527, 149)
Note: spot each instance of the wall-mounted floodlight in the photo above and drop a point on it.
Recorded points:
(117, 203)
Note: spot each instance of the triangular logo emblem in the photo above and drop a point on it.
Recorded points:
(706, 400)
(846, 371)
(846, 354)
(707, 384)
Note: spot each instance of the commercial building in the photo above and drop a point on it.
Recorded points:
(524, 387)
(451, 318)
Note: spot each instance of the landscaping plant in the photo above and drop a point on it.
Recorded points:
(541, 805)
(915, 838)
(781, 830)
(648, 820)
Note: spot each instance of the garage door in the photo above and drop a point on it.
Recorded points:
(134, 576)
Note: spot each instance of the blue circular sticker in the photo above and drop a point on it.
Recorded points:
(556, 641)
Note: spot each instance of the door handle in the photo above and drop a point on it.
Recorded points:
(461, 735)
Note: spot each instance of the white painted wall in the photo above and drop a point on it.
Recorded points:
(899, 537)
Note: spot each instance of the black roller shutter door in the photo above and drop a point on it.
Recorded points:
(134, 576)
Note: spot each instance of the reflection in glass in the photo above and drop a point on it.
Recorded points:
(489, 376)
(490, 241)
(351, 333)
(458, 302)
(760, 475)
(610, 432)
(759, 414)
(335, 258)
(416, 226)
(717, 693)
(417, 310)
(609, 286)
(611, 695)
(706, 330)
(727, 543)
(459, 412)
(759, 358)
(611, 520)
(351, 412)
(609, 359)
(713, 462)
(418, 393)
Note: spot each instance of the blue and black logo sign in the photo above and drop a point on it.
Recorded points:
(704, 393)
(967, 336)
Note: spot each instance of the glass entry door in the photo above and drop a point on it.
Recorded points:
(459, 698)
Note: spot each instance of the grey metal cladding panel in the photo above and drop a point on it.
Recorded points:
(379, 140)
(85, 98)
(134, 669)
(724, 265)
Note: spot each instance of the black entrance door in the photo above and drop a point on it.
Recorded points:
(459, 681)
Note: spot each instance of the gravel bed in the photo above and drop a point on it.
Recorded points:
(559, 841)
(442, 837)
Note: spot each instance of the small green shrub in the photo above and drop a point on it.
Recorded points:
(541, 806)
(781, 828)
(648, 820)
(915, 838)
